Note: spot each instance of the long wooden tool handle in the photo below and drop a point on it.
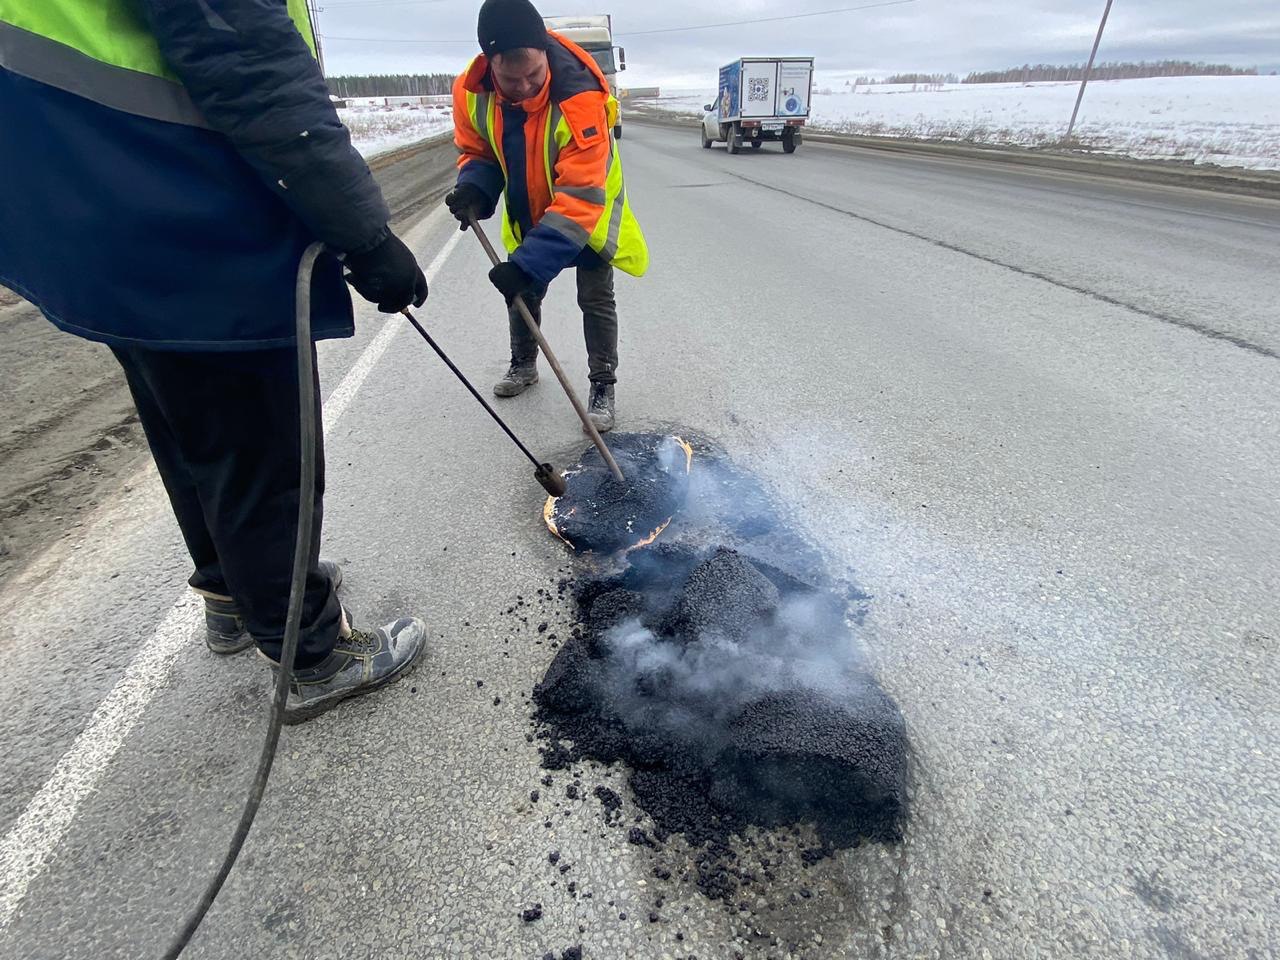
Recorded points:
(551, 359)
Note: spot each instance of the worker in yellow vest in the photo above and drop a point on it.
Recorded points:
(163, 164)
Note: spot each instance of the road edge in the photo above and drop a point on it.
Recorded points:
(434, 159)
(393, 156)
(1175, 173)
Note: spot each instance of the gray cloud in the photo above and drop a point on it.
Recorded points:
(376, 36)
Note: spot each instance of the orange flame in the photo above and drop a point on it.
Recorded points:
(549, 516)
(652, 537)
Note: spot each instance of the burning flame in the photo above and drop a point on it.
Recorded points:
(652, 537)
(688, 453)
(549, 516)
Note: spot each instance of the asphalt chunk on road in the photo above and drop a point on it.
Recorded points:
(735, 694)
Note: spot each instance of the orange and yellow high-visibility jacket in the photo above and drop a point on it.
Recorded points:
(554, 160)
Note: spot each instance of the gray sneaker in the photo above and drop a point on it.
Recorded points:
(224, 631)
(360, 662)
(600, 406)
(519, 378)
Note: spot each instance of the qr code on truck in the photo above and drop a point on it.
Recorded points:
(758, 88)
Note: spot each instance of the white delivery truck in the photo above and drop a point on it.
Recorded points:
(594, 34)
(760, 98)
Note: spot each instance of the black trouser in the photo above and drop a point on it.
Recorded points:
(599, 322)
(223, 428)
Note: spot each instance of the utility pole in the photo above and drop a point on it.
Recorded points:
(313, 13)
(1088, 68)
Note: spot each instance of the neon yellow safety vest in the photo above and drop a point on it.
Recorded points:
(103, 50)
(617, 237)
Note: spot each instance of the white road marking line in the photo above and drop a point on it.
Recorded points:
(35, 835)
(341, 396)
(28, 846)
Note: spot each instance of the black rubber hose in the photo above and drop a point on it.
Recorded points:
(552, 480)
(297, 589)
(467, 383)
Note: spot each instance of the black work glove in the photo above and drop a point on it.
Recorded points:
(387, 275)
(511, 281)
(467, 200)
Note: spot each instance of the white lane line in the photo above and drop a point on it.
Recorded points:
(338, 400)
(32, 840)
(28, 845)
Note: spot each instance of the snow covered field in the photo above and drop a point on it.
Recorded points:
(1228, 121)
(377, 129)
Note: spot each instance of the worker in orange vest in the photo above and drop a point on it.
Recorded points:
(533, 120)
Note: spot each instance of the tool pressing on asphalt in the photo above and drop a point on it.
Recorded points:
(601, 516)
(545, 347)
(600, 511)
(551, 479)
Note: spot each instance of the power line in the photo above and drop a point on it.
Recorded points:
(375, 3)
(329, 36)
(640, 33)
(790, 16)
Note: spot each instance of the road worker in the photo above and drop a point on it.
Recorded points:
(165, 163)
(533, 119)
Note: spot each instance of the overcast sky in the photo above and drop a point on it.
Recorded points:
(382, 36)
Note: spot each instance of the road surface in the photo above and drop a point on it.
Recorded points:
(1034, 416)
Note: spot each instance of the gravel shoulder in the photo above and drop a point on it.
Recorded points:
(68, 436)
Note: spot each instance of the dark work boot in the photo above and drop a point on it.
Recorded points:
(224, 631)
(600, 406)
(519, 378)
(360, 662)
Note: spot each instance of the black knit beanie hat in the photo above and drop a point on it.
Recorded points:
(508, 25)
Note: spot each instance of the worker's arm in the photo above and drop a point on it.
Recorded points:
(477, 165)
(255, 80)
(581, 171)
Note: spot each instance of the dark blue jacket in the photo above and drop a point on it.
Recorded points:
(135, 231)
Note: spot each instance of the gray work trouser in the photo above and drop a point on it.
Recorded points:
(599, 323)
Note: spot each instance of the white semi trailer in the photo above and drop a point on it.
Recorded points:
(594, 34)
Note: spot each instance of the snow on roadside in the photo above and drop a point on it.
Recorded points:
(378, 129)
(1228, 121)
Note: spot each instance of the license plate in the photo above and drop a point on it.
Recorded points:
(774, 126)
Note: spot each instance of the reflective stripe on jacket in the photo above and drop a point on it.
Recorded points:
(554, 159)
(106, 51)
(165, 163)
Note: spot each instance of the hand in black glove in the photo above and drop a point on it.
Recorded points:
(511, 280)
(466, 200)
(388, 275)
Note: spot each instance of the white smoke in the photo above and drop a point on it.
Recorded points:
(692, 688)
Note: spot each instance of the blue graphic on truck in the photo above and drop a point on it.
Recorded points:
(730, 84)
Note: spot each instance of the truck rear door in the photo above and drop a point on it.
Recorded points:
(795, 77)
(759, 88)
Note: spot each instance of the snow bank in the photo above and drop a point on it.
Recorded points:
(1228, 121)
(377, 129)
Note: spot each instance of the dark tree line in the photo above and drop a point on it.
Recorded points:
(392, 85)
(922, 78)
(1110, 71)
